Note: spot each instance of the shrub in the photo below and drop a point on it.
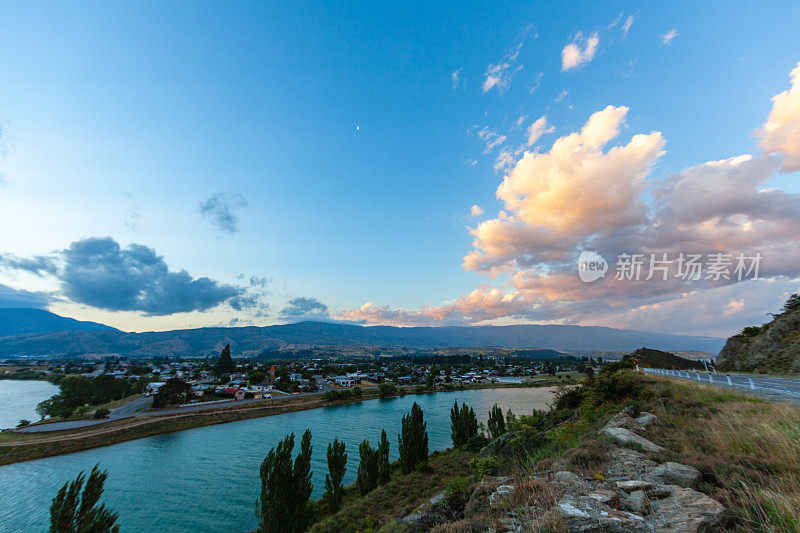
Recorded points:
(23, 423)
(101, 413)
(568, 398)
(614, 387)
(387, 389)
(486, 466)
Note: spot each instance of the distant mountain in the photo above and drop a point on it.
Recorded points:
(37, 321)
(648, 357)
(253, 340)
(772, 348)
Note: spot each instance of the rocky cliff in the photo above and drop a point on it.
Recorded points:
(771, 348)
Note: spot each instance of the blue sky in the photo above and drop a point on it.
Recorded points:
(346, 146)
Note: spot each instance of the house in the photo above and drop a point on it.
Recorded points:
(237, 393)
(347, 381)
(260, 387)
(153, 387)
(295, 377)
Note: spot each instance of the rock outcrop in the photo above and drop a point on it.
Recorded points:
(633, 494)
(771, 348)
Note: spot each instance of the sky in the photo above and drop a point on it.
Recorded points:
(188, 164)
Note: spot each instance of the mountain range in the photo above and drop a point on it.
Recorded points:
(26, 321)
(87, 338)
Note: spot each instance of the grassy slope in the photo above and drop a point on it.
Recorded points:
(747, 449)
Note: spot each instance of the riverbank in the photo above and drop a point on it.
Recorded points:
(17, 447)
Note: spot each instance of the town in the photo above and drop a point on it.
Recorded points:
(94, 388)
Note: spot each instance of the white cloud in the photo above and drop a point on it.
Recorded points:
(626, 26)
(669, 36)
(498, 76)
(781, 132)
(563, 94)
(554, 200)
(491, 138)
(537, 129)
(455, 78)
(470, 163)
(505, 159)
(579, 52)
(475, 211)
(520, 120)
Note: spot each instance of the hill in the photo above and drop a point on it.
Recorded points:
(771, 348)
(38, 321)
(658, 359)
(253, 340)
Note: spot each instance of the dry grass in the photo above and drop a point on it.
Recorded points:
(748, 451)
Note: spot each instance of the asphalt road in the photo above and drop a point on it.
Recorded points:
(138, 408)
(771, 387)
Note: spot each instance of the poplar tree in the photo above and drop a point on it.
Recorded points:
(463, 424)
(285, 489)
(73, 512)
(367, 478)
(384, 468)
(413, 440)
(497, 424)
(337, 466)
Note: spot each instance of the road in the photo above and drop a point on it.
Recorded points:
(138, 408)
(770, 387)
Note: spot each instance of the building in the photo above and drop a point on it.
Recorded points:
(347, 381)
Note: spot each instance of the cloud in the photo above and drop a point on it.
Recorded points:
(499, 75)
(781, 132)
(579, 52)
(563, 94)
(18, 298)
(626, 26)
(475, 211)
(470, 163)
(99, 273)
(455, 78)
(537, 129)
(505, 159)
(491, 138)
(669, 36)
(556, 199)
(220, 209)
(587, 193)
(303, 307)
(483, 303)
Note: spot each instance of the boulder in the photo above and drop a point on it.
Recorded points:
(606, 497)
(634, 485)
(498, 497)
(587, 514)
(624, 420)
(645, 419)
(636, 502)
(626, 436)
(570, 482)
(686, 510)
(627, 463)
(676, 474)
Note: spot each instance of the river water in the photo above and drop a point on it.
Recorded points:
(18, 399)
(206, 479)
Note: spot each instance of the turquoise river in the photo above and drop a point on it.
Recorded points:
(206, 479)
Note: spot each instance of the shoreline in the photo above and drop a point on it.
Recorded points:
(30, 446)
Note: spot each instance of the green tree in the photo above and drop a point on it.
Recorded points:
(792, 303)
(337, 466)
(430, 382)
(413, 440)
(73, 512)
(497, 424)
(463, 424)
(511, 420)
(384, 468)
(387, 389)
(224, 364)
(173, 392)
(367, 478)
(285, 489)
